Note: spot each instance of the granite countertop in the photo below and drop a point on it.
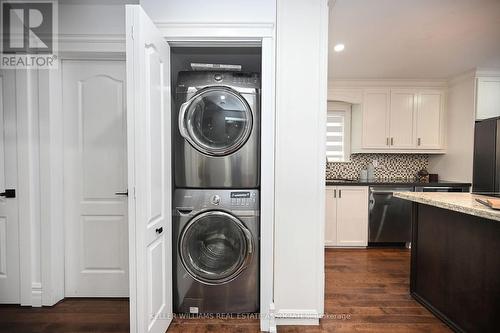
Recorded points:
(458, 202)
(383, 181)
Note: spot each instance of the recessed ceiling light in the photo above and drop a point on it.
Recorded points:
(339, 47)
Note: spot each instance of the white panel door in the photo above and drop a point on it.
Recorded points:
(331, 216)
(401, 118)
(375, 118)
(352, 216)
(9, 225)
(148, 100)
(95, 167)
(430, 108)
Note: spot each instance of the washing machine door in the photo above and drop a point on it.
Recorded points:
(215, 247)
(217, 121)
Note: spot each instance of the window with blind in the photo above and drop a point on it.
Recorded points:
(338, 132)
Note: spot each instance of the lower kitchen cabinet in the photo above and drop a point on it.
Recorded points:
(346, 216)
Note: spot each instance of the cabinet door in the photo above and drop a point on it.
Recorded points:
(430, 119)
(330, 216)
(401, 118)
(352, 216)
(488, 98)
(375, 118)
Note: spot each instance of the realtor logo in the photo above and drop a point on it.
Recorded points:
(28, 34)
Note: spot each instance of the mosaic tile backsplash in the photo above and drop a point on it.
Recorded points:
(390, 166)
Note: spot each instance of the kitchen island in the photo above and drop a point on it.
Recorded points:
(455, 259)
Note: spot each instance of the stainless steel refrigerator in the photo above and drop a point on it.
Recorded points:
(486, 174)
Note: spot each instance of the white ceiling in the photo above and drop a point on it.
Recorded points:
(431, 39)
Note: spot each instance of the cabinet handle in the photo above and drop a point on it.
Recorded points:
(387, 141)
(340, 194)
(392, 141)
(334, 193)
(419, 141)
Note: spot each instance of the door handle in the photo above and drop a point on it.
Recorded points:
(387, 141)
(340, 194)
(181, 121)
(392, 141)
(159, 230)
(9, 193)
(334, 193)
(122, 193)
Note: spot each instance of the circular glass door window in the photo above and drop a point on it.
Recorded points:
(217, 121)
(215, 247)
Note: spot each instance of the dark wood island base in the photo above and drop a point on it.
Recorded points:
(455, 267)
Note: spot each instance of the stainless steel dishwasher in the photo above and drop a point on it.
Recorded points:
(389, 217)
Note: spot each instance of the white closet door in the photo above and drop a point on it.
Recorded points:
(9, 225)
(95, 167)
(148, 101)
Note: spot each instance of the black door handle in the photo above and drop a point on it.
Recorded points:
(9, 193)
(159, 230)
(122, 193)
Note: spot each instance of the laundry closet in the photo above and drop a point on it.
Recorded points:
(216, 179)
(267, 205)
(216, 224)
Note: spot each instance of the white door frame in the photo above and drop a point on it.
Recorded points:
(248, 34)
(191, 34)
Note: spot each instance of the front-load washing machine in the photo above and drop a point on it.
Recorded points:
(217, 141)
(216, 251)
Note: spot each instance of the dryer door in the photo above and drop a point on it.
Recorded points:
(215, 247)
(217, 121)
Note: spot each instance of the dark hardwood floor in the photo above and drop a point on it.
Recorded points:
(366, 291)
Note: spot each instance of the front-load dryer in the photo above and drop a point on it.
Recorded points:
(217, 141)
(216, 251)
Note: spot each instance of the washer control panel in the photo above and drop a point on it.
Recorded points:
(215, 200)
(243, 198)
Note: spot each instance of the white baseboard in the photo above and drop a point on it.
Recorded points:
(297, 321)
(36, 294)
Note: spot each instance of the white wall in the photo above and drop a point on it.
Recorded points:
(456, 164)
(302, 28)
(210, 11)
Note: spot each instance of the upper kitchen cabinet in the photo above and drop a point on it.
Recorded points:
(375, 121)
(430, 119)
(400, 120)
(487, 97)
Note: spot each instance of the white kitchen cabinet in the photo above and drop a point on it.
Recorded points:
(487, 97)
(346, 215)
(401, 119)
(430, 119)
(375, 121)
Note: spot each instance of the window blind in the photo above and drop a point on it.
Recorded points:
(335, 140)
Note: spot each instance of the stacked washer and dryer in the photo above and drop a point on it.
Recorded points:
(216, 201)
